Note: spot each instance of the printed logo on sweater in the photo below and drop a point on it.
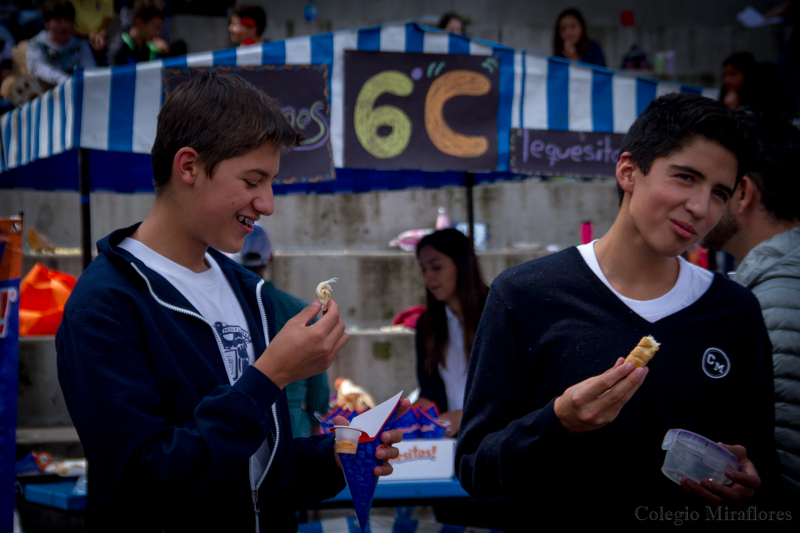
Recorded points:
(715, 363)
(235, 339)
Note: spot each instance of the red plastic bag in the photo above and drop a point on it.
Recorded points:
(43, 293)
(409, 317)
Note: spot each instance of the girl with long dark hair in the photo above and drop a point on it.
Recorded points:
(456, 294)
(571, 41)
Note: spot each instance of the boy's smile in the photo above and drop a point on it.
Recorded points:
(236, 196)
(682, 196)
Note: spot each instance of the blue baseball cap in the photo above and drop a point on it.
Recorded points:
(257, 249)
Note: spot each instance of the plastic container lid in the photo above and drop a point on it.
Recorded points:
(693, 456)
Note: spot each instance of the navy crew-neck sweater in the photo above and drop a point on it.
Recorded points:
(551, 323)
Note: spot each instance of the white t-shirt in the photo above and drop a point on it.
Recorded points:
(211, 294)
(454, 375)
(693, 282)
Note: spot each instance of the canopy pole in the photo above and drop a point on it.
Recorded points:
(84, 190)
(470, 181)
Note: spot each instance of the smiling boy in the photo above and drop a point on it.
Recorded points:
(167, 354)
(553, 416)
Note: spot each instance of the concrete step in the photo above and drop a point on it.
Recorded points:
(60, 441)
(40, 402)
(373, 287)
(381, 361)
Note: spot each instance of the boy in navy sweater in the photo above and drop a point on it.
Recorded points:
(553, 416)
(168, 357)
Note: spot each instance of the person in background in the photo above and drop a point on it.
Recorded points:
(140, 43)
(760, 227)
(570, 40)
(453, 23)
(92, 22)
(307, 396)
(53, 54)
(735, 71)
(746, 82)
(455, 294)
(248, 22)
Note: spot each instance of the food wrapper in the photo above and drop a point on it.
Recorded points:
(326, 422)
(408, 424)
(359, 467)
(429, 425)
(33, 464)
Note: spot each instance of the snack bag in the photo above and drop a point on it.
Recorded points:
(429, 425)
(326, 423)
(408, 424)
(43, 293)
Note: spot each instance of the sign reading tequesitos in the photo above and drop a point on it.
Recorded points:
(548, 152)
(420, 111)
(424, 459)
(302, 92)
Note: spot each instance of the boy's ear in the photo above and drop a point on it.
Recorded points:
(185, 165)
(746, 195)
(625, 171)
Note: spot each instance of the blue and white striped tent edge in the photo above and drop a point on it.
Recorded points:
(115, 108)
(39, 129)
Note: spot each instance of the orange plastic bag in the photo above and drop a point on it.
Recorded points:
(43, 293)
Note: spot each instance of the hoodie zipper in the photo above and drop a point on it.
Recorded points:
(229, 370)
(274, 413)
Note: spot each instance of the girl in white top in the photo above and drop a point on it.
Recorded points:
(456, 294)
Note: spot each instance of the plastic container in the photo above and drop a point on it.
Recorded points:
(693, 456)
(346, 439)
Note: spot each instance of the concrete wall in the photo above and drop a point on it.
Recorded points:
(39, 400)
(373, 287)
(382, 362)
(528, 210)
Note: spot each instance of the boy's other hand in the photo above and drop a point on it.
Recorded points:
(595, 402)
(300, 351)
(745, 481)
(385, 451)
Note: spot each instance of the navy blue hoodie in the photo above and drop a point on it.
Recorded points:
(167, 438)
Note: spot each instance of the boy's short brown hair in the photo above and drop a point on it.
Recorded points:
(220, 115)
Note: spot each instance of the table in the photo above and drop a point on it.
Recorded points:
(405, 495)
(423, 490)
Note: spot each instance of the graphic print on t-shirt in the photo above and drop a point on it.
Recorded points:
(235, 339)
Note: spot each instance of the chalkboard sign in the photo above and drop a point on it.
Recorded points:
(549, 152)
(420, 111)
(301, 91)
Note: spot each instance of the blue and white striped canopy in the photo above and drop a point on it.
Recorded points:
(114, 109)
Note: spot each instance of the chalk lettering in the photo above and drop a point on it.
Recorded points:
(565, 151)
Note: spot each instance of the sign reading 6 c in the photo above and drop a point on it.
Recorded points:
(368, 119)
(419, 111)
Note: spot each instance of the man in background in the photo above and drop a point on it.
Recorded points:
(760, 227)
(53, 54)
(307, 396)
(141, 42)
